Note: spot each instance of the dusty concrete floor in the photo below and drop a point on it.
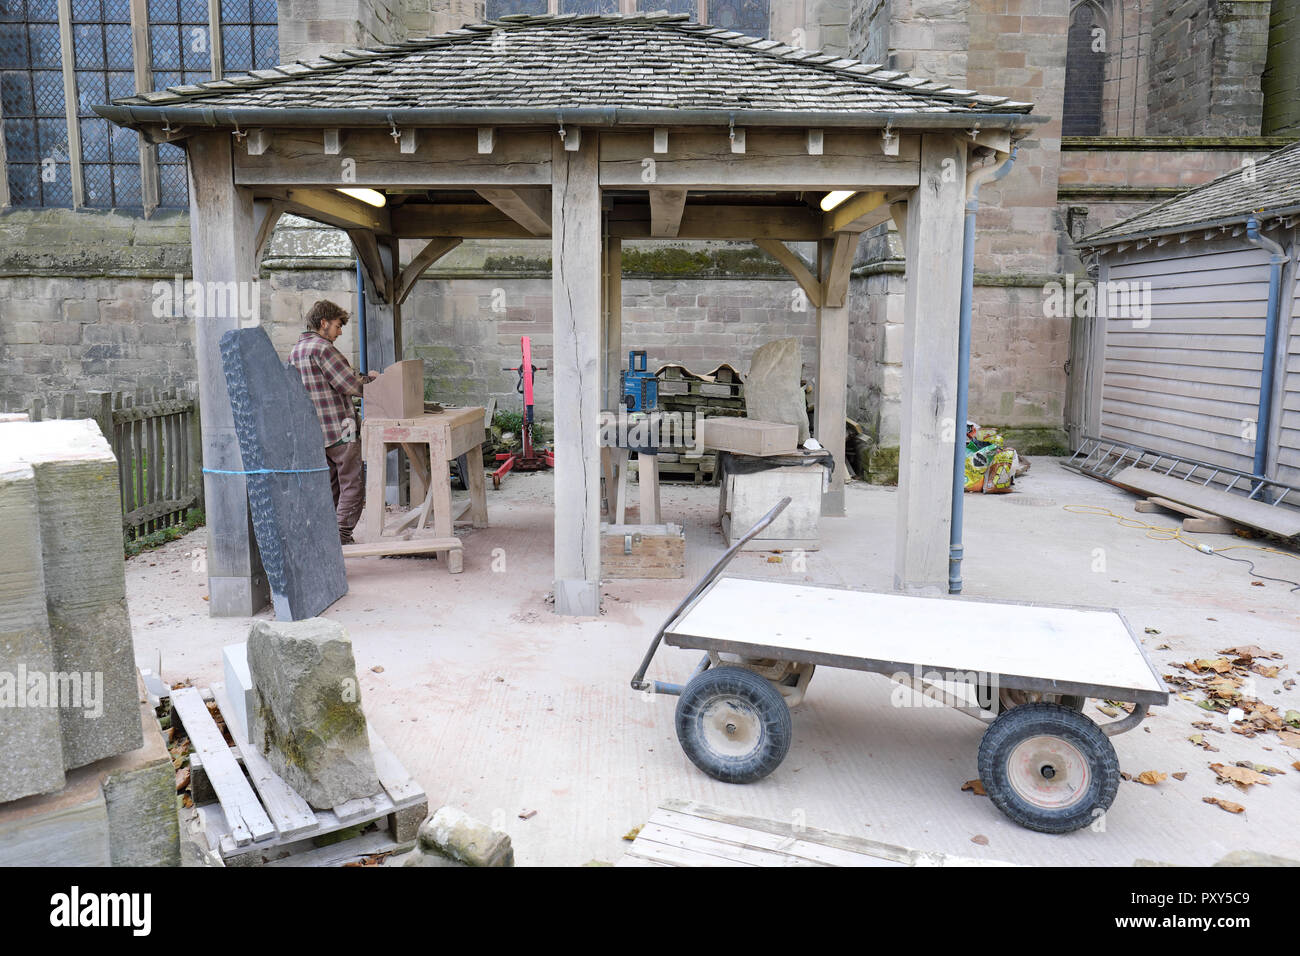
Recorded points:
(496, 706)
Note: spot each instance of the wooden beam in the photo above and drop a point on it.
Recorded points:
(531, 208)
(898, 211)
(699, 221)
(444, 158)
(576, 255)
(858, 213)
(484, 221)
(257, 141)
(795, 266)
(435, 250)
(613, 311)
(834, 257)
(331, 208)
(773, 159)
(927, 428)
(367, 247)
(266, 213)
(222, 231)
(837, 268)
(666, 208)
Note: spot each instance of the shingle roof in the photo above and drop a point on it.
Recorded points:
(1271, 185)
(654, 61)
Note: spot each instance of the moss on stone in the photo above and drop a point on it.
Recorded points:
(1036, 440)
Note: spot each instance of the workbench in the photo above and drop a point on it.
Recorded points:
(431, 442)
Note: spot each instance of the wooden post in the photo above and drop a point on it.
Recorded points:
(576, 285)
(222, 232)
(933, 240)
(383, 342)
(613, 313)
(833, 364)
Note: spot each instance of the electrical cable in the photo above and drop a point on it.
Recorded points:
(1157, 533)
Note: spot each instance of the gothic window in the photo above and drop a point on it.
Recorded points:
(504, 8)
(1085, 65)
(249, 36)
(749, 17)
(102, 62)
(587, 7)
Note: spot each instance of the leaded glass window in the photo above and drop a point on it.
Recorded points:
(504, 8)
(31, 93)
(249, 36)
(689, 7)
(588, 7)
(102, 61)
(179, 44)
(749, 17)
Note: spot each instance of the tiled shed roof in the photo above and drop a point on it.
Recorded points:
(654, 61)
(1270, 185)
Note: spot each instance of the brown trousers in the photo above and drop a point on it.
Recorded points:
(345, 482)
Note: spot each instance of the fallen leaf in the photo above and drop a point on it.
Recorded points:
(1290, 738)
(1162, 647)
(527, 814)
(182, 779)
(1151, 777)
(981, 839)
(1249, 651)
(1244, 729)
(1179, 775)
(1108, 711)
(1151, 630)
(1264, 670)
(773, 559)
(1288, 683)
(1260, 768)
(1256, 584)
(1224, 804)
(378, 668)
(1243, 778)
(1219, 665)
(1200, 741)
(1293, 718)
(1126, 776)
(631, 834)
(1296, 764)
(975, 787)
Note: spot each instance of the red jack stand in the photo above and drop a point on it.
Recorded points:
(525, 460)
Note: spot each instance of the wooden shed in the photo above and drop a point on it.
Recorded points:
(1179, 358)
(590, 130)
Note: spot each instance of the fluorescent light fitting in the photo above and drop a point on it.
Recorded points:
(833, 199)
(371, 196)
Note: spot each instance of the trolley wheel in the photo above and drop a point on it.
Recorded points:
(1048, 767)
(733, 724)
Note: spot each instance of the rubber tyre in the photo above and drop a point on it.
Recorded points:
(1048, 735)
(732, 696)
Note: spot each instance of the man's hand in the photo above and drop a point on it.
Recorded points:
(371, 376)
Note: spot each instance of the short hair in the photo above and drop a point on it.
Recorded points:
(325, 311)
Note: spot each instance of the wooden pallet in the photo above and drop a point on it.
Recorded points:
(257, 817)
(685, 833)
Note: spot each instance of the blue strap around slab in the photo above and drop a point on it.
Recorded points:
(264, 471)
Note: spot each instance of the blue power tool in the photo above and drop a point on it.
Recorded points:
(640, 388)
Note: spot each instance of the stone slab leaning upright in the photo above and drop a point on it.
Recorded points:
(80, 512)
(283, 452)
(307, 719)
(31, 743)
(772, 389)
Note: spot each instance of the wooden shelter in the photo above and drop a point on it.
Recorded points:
(592, 130)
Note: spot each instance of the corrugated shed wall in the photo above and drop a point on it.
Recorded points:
(1187, 382)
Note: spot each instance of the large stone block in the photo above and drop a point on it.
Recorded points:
(31, 744)
(307, 718)
(283, 452)
(772, 389)
(451, 837)
(85, 583)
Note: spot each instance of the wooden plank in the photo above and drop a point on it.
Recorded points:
(328, 822)
(331, 208)
(289, 812)
(353, 811)
(417, 545)
(858, 213)
(720, 221)
(835, 257)
(791, 844)
(770, 159)
(1280, 520)
(347, 851)
(248, 820)
(680, 856)
(397, 783)
(447, 158)
(735, 853)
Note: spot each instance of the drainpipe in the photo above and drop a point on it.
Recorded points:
(361, 317)
(1276, 258)
(973, 182)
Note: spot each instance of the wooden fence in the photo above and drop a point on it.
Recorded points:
(155, 436)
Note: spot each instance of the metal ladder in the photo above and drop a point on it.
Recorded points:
(1105, 457)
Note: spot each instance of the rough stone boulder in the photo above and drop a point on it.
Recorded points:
(307, 717)
(451, 837)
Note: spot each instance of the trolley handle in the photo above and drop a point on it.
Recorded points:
(638, 681)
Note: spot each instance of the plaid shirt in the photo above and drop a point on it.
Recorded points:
(330, 381)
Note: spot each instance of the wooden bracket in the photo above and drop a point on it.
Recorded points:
(431, 253)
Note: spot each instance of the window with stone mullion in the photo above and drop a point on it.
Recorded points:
(103, 70)
(38, 163)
